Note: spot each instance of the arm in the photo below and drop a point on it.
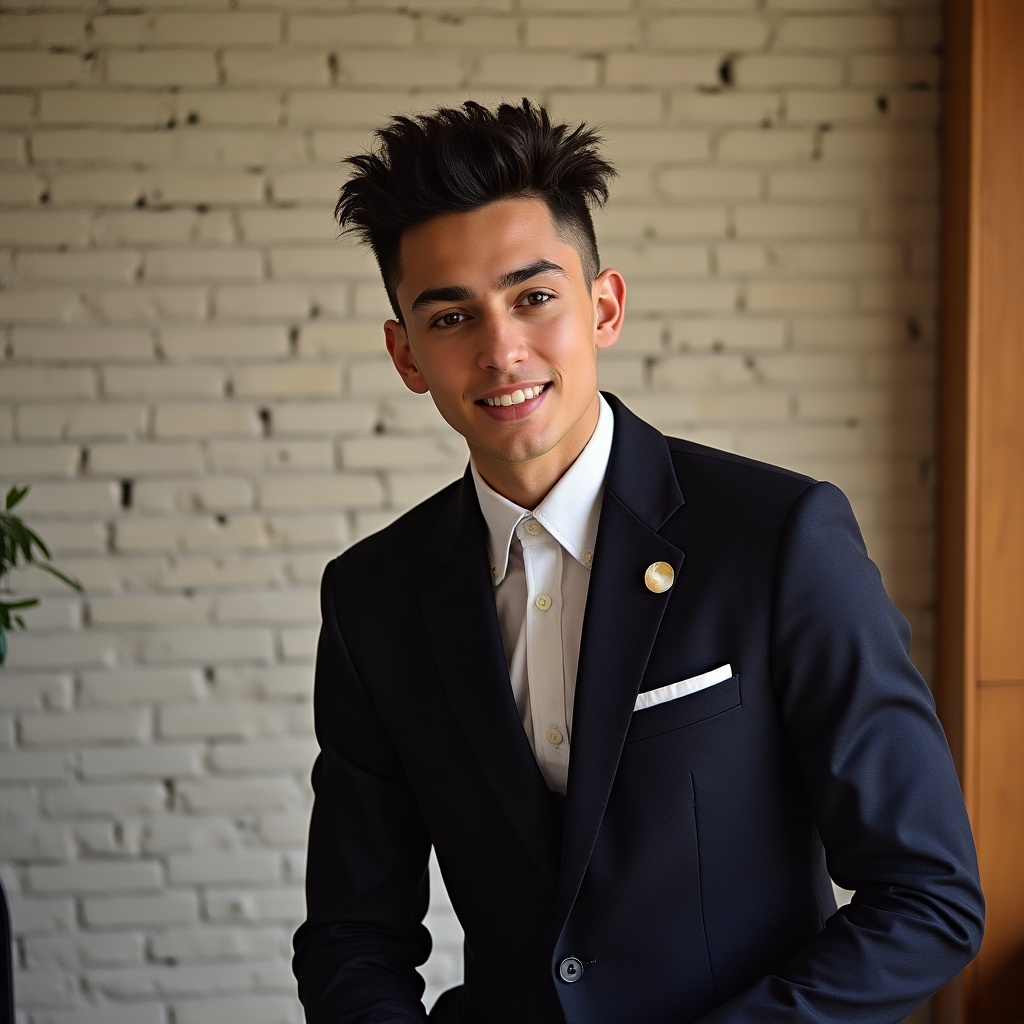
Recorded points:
(366, 879)
(881, 783)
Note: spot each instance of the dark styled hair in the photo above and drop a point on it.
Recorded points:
(458, 159)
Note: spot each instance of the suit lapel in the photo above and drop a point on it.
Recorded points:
(462, 624)
(621, 623)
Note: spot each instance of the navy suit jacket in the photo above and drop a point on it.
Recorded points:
(688, 869)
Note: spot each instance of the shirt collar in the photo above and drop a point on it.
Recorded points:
(570, 511)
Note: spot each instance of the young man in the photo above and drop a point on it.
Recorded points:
(641, 697)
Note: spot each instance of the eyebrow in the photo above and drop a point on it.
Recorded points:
(459, 293)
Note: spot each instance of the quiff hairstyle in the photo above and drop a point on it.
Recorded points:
(457, 159)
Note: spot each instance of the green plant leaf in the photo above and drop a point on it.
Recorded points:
(62, 576)
(14, 496)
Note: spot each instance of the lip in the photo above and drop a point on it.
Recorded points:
(507, 413)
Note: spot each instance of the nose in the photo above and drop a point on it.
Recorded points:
(502, 344)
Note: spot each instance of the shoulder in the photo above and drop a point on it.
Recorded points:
(395, 547)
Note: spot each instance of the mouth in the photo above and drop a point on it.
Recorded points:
(517, 397)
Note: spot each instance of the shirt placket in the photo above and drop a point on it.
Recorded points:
(542, 560)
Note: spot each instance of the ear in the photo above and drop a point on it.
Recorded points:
(397, 342)
(609, 294)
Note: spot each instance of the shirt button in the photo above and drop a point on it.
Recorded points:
(543, 603)
(554, 737)
(533, 527)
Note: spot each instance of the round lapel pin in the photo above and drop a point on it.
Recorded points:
(659, 577)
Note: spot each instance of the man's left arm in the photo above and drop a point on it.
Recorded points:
(881, 784)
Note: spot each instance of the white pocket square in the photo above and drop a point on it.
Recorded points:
(683, 688)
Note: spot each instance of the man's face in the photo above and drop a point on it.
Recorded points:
(502, 329)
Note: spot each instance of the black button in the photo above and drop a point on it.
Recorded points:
(570, 969)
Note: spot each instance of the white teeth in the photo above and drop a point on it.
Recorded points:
(516, 398)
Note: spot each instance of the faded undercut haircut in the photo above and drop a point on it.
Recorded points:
(457, 159)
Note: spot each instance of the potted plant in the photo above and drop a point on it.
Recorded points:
(19, 546)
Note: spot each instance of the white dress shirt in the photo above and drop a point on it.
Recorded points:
(541, 562)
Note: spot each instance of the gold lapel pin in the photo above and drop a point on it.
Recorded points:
(659, 577)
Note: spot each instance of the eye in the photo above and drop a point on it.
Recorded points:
(535, 298)
(452, 319)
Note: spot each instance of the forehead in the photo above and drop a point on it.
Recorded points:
(481, 245)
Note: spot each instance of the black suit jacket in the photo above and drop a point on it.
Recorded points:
(689, 868)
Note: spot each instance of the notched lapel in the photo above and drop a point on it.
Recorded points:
(462, 624)
(622, 621)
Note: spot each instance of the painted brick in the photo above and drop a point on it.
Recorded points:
(471, 30)
(73, 421)
(231, 720)
(281, 904)
(158, 67)
(376, 67)
(722, 108)
(170, 908)
(753, 70)
(35, 765)
(57, 651)
(33, 461)
(43, 227)
(152, 761)
(270, 606)
(157, 458)
(255, 107)
(261, 756)
(263, 302)
(207, 646)
(163, 381)
(217, 868)
(274, 226)
(74, 727)
(767, 145)
(93, 877)
(206, 419)
(263, 67)
(697, 32)
(76, 266)
(191, 264)
(647, 69)
(21, 69)
(796, 221)
(234, 28)
(241, 1009)
(81, 106)
(270, 455)
(140, 686)
(281, 380)
(258, 794)
(837, 32)
(81, 345)
(348, 490)
(354, 30)
(595, 32)
(23, 188)
(895, 69)
(15, 109)
(542, 70)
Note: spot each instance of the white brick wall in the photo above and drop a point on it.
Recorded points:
(193, 381)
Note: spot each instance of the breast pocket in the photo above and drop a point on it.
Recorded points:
(688, 709)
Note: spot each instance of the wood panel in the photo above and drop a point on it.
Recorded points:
(981, 513)
(1001, 334)
(998, 991)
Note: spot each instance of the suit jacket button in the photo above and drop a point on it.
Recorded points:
(570, 969)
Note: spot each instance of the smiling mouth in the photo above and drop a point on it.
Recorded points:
(516, 397)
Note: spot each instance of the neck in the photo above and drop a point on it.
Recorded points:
(527, 482)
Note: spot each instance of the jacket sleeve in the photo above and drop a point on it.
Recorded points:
(366, 878)
(881, 784)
